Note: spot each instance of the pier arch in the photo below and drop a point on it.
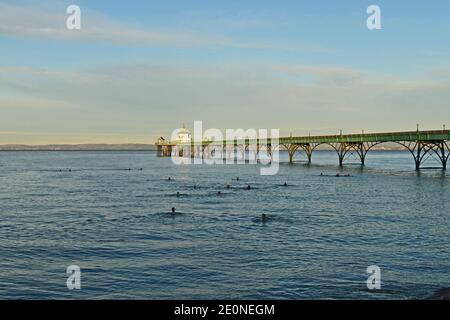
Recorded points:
(423, 150)
(307, 148)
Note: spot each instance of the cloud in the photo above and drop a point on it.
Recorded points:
(147, 101)
(39, 23)
(27, 21)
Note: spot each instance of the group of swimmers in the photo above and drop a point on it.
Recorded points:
(338, 175)
(264, 217)
(227, 186)
(128, 169)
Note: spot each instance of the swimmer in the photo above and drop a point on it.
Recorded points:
(321, 174)
(169, 178)
(237, 179)
(285, 184)
(248, 187)
(338, 175)
(173, 210)
(264, 218)
(219, 193)
(347, 175)
(195, 187)
(178, 194)
(227, 186)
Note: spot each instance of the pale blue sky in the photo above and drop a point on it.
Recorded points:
(139, 68)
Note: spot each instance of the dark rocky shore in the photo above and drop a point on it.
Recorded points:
(441, 294)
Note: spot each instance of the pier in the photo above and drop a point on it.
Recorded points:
(421, 145)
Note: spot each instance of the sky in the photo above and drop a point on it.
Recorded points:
(139, 69)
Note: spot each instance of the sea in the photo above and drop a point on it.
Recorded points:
(110, 214)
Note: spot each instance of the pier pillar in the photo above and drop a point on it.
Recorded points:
(159, 152)
(253, 152)
(270, 152)
(309, 148)
(443, 152)
(291, 149)
(341, 149)
(419, 149)
(362, 148)
(420, 154)
(167, 151)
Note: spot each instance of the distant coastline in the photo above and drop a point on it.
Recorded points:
(78, 147)
(130, 147)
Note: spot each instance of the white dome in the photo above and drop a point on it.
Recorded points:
(184, 136)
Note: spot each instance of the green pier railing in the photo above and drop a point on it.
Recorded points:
(434, 135)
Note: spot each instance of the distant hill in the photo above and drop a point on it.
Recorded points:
(78, 147)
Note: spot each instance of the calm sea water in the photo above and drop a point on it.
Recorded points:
(322, 234)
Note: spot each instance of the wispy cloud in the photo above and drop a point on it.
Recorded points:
(34, 22)
(27, 21)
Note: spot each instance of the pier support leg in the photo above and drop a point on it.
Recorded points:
(159, 152)
(257, 153)
(167, 151)
(265, 149)
(341, 154)
(240, 156)
(253, 151)
(342, 149)
(443, 152)
(419, 155)
(270, 152)
(362, 148)
(309, 149)
(309, 155)
(291, 149)
(229, 153)
(291, 156)
(419, 149)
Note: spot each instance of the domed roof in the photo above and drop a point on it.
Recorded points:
(184, 135)
(183, 131)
